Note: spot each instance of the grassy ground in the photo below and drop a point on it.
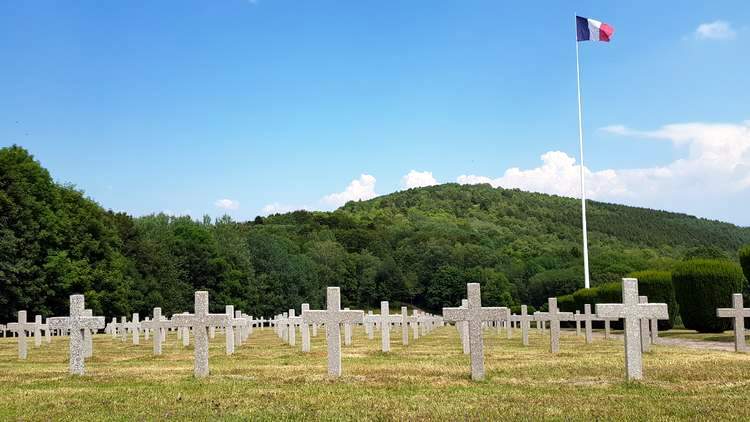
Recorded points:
(725, 337)
(429, 380)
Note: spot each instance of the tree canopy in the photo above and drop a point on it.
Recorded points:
(419, 246)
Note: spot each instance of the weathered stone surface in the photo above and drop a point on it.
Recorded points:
(159, 325)
(20, 328)
(645, 332)
(386, 319)
(632, 311)
(405, 321)
(88, 336)
(738, 312)
(554, 316)
(474, 314)
(587, 318)
(347, 332)
(332, 317)
(135, 329)
(199, 322)
(305, 329)
(38, 331)
(229, 330)
(577, 318)
(525, 321)
(77, 323)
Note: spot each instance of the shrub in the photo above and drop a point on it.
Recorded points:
(745, 261)
(657, 285)
(701, 286)
(566, 303)
(609, 293)
(516, 309)
(584, 296)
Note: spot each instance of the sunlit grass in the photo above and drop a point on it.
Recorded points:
(427, 380)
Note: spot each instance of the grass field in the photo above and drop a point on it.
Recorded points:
(428, 380)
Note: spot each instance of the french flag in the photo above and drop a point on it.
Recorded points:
(593, 30)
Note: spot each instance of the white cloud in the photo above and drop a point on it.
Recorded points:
(715, 167)
(716, 30)
(227, 204)
(277, 208)
(418, 179)
(359, 189)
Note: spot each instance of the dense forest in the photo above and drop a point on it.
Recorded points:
(418, 246)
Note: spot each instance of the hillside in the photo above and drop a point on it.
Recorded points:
(418, 246)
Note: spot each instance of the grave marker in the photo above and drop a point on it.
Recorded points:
(474, 314)
(739, 313)
(632, 312)
(199, 322)
(77, 323)
(332, 317)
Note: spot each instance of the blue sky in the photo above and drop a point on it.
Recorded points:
(248, 107)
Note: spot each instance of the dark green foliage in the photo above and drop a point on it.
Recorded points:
(418, 247)
(701, 286)
(745, 261)
(566, 303)
(657, 285)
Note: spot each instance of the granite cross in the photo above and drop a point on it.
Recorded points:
(348, 331)
(199, 322)
(525, 319)
(20, 329)
(554, 316)
(292, 321)
(405, 321)
(305, 329)
(474, 314)
(76, 324)
(135, 328)
(332, 317)
(632, 312)
(645, 333)
(38, 331)
(739, 313)
(229, 330)
(160, 325)
(588, 318)
(385, 326)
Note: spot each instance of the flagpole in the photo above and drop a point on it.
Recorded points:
(587, 282)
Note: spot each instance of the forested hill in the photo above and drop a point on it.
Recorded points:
(418, 246)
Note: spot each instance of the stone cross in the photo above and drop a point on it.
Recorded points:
(199, 322)
(160, 325)
(645, 333)
(241, 324)
(587, 317)
(146, 331)
(632, 312)
(20, 329)
(474, 314)
(305, 329)
(415, 324)
(135, 329)
(369, 322)
(554, 316)
(88, 336)
(464, 330)
(229, 332)
(183, 332)
(292, 321)
(385, 326)
(76, 324)
(577, 318)
(405, 320)
(525, 319)
(123, 328)
(37, 331)
(739, 313)
(348, 331)
(332, 317)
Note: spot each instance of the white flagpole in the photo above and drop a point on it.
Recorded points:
(587, 282)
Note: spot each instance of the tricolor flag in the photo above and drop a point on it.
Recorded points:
(593, 30)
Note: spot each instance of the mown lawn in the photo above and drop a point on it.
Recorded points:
(428, 380)
(725, 337)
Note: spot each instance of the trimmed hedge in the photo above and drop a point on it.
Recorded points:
(701, 286)
(516, 309)
(657, 285)
(566, 303)
(745, 261)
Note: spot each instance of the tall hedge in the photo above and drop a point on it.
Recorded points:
(657, 285)
(745, 261)
(701, 286)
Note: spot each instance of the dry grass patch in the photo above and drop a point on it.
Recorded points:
(429, 379)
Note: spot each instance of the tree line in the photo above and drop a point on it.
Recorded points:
(418, 247)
